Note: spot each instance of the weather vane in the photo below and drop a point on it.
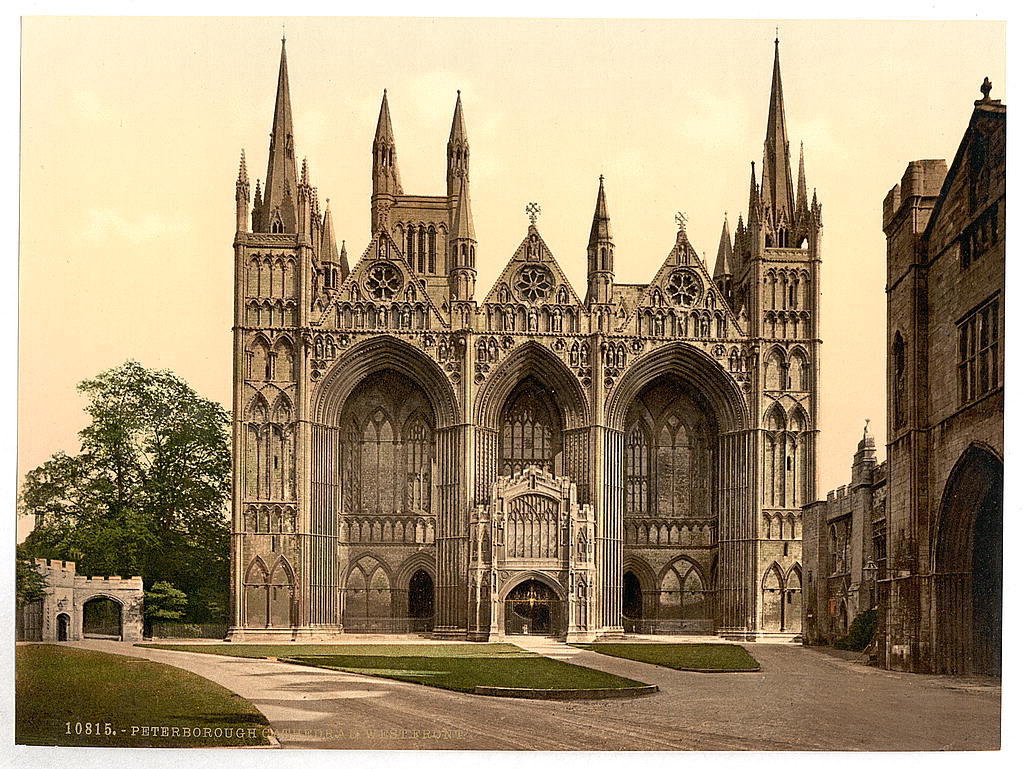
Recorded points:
(532, 210)
(681, 220)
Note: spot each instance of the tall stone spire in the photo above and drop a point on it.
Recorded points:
(600, 252)
(387, 182)
(458, 148)
(776, 177)
(279, 191)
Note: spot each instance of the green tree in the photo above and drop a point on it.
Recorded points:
(147, 493)
(29, 583)
(163, 601)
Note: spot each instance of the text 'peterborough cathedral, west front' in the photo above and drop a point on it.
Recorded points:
(417, 453)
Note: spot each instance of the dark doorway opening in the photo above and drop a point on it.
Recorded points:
(987, 585)
(63, 622)
(101, 618)
(632, 603)
(533, 608)
(421, 602)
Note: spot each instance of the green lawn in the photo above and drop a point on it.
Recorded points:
(460, 667)
(680, 656)
(67, 696)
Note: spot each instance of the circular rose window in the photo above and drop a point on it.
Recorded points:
(684, 288)
(383, 281)
(533, 284)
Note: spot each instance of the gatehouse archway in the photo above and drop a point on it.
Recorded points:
(101, 618)
(63, 625)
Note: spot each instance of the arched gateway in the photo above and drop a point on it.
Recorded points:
(410, 453)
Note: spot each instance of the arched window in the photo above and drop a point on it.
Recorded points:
(683, 594)
(899, 369)
(531, 429)
(637, 470)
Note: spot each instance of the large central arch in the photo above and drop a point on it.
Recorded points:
(532, 359)
(534, 362)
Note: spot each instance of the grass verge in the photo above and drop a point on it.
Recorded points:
(459, 667)
(76, 697)
(703, 657)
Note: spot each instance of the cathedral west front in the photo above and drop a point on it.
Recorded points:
(417, 453)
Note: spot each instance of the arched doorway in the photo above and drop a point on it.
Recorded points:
(969, 567)
(421, 602)
(63, 623)
(101, 618)
(632, 597)
(533, 608)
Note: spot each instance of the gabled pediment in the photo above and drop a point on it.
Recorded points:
(382, 277)
(533, 277)
(683, 284)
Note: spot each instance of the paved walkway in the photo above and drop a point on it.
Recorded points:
(801, 700)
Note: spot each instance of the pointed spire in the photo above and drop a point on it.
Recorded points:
(462, 225)
(243, 173)
(801, 184)
(458, 132)
(754, 200)
(386, 179)
(776, 178)
(305, 172)
(458, 149)
(343, 258)
(723, 265)
(384, 133)
(328, 244)
(601, 228)
(279, 191)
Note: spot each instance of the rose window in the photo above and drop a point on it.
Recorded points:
(383, 281)
(684, 288)
(533, 284)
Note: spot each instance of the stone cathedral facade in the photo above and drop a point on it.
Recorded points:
(414, 453)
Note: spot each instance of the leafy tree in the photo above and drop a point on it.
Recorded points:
(163, 601)
(29, 583)
(862, 632)
(147, 494)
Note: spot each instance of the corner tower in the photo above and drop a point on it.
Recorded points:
(772, 272)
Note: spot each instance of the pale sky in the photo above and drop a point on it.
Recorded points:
(131, 131)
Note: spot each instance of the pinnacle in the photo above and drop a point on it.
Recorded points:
(458, 133)
(601, 228)
(243, 174)
(723, 265)
(462, 225)
(384, 133)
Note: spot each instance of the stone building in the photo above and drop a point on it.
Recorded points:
(941, 589)
(411, 454)
(77, 607)
(844, 549)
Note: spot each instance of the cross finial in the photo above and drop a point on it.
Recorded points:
(282, 31)
(681, 220)
(776, 34)
(532, 210)
(867, 425)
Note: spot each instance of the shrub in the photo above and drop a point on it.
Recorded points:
(862, 632)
